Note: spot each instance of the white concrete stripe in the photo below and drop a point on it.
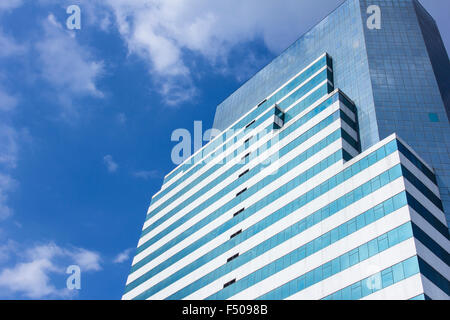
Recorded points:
(329, 253)
(433, 291)
(368, 151)
(350, 150)
(402, 290)
(430, 230)
(352, 133)
(419, 196)
(434, 261)
(360, 271)
(348, 112)
(422, 177)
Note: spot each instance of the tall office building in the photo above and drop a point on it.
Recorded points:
(330, 179)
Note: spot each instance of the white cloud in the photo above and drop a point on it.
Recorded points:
(10, 4)
(151, 174)
(31, 276)
(6, 249)
(8, 161)
(66, 65)
(171, 34)
(121, 118)
(123, 256)
(7, 101)
(8, 146)
(8, 134)
(110, 164)
(9, 46)
(7, 184)
(87, 260)
(167, 32)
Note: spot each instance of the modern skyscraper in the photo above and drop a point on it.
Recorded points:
(330, 179)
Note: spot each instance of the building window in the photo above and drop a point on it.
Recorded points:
(233, 257)
(261, 103)
(241, 192)
(243, 173)
(246, 127)
(433, 117)
(235, 234)
(242, 210)
(229, 283)
(246, 156)
(248, 140)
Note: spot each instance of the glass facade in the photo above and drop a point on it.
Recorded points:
(341, 35)
(408, 63)
(396, 75)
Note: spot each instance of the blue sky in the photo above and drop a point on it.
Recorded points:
(86, 118)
